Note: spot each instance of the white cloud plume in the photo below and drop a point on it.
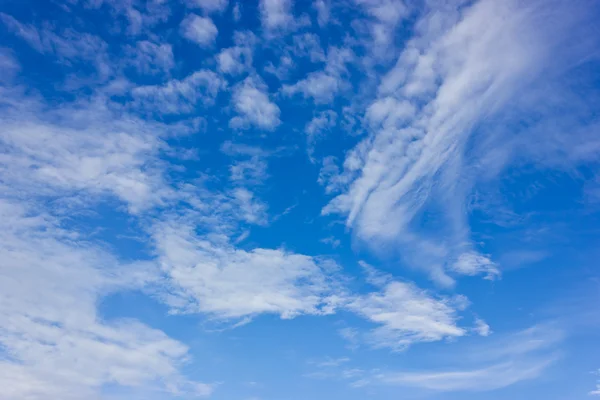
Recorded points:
(461, 68)
(522, 356)
(200, 30)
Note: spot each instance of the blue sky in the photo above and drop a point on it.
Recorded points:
(281, 200)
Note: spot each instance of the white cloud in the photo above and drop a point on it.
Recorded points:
(76, 151)
(179, 96)
(323, 8)
(407, 314)
(151, 58)
(482, 328)
(322, 86)
(510, 359)
(382, 28)
(495, 377)
(251, 101)
(332, 241)
(68, 46)
(208, 6)
(329, 362)
(322, 122)
(215, 278)
(276, 15)
(200, 30)
(237, 12)
(458, 70)
(59, 347)
(8, 64)
(237, 59)
(597, 391)
(472, 264)
(308, 45)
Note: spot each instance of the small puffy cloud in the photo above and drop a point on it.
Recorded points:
(482, 328)
(323, 8)
(237, 12)
(322, 86)
(200, 30)
(179, 96)
(332, 241)
(471, 264)
(251, 101)
(237, 59)
(321, 122)
(276, 15)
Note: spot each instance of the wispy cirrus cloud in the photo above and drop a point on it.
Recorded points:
(446, 82)
(521, 356)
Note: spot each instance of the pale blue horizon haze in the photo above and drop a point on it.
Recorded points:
(291, 200)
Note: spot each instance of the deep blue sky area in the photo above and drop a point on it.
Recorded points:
(290, 200)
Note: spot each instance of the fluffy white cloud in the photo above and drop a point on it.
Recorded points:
(179, 96)
(237, 59)
(213, 277)
(77, 151)
(251, 101)
(472, 264)
(50, 284)
(276, 15)
(200, 30)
